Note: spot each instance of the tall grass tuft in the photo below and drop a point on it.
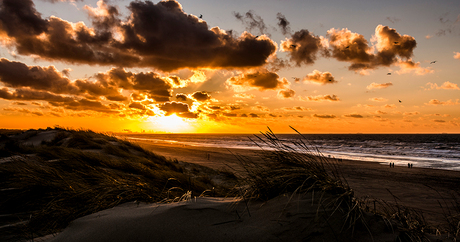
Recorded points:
(82, 172)
(294, 167)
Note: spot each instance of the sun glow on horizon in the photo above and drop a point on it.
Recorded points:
(172, 124)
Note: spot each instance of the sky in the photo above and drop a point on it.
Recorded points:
(202, 66)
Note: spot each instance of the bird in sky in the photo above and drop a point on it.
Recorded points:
(389, 73)
(400, 101)
(432, 62)
(396, 42)
(293, 46)
(201, 15)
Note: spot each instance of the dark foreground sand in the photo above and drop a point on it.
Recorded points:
(306, 217)
(419, 188)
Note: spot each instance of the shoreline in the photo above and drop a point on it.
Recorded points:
(446, 163)
(418, 188)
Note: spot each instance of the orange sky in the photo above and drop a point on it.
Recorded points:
(159, 67)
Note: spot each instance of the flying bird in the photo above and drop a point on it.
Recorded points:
(389, 73)
(347, 47)
(400, 101)
(432, 62)
(293, 46)
(396, 42)
(201, 15)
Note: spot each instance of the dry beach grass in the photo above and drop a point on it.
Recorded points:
(49, 180)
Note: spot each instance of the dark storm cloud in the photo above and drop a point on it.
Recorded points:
(16, 74)
(324, 116)
(201, 96)
(303, 47)
(321, 78)
(262, 80)
(252, 21)
(55, 100)
(174, 107)
(149, 83)
(283, 23)
(158, 35)
(32, 95)
(181, 97)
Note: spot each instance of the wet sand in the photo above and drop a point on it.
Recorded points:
(419, 188)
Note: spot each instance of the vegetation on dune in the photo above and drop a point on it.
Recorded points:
(76, 173)
(297, 168)
(82, 172)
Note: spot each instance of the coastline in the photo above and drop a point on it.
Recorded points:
(418, 188)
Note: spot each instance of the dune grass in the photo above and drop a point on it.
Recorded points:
(296, 168)
(82, 172)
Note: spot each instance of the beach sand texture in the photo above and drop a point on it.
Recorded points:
(418, 188)
(308, 216)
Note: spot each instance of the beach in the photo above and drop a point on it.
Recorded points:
(107, 188)
(418, 188)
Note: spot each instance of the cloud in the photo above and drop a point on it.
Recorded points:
(261, 108)
(244, 95)
(56, 1)
(23, 110)
(321, 78)
(410, 66)
(252, 21)
(457, 55)
(174, 107)
(283, 23)
(158, 35)
(288, 93)
(181, 97)
(137, 105)
(320, 98)
(16, 74)
(445, 85)
(353, 116)
(350, 47)
(302, 47)
(327, 116)
(411, 113)
(379, 86)
(354, 48)
(262, 80)
(149, 83)
(392, 19)
(201, 96)
(450, 26)
(297, 108)
(378, 99)
(446, 103)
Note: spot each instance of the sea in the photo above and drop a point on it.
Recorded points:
(437, 151)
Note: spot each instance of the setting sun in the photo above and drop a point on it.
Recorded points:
(171, 123)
